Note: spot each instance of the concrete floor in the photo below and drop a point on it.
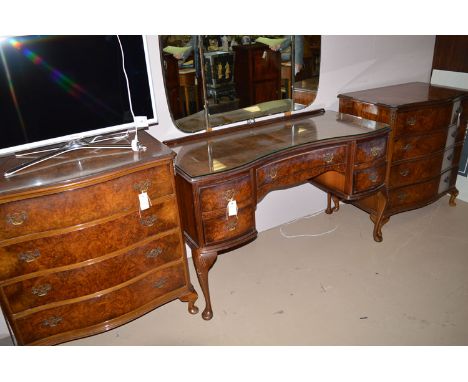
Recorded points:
(340, 288)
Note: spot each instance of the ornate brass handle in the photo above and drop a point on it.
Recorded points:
(229, 194)
(41, 290)
(148, 221)
(328, 157)
(160, 283)
(17, 218)
(155, 252)
(142, 186)
(273, 173)
(411, 121)
(231, 225)
(373, 177)
(375, 151)
(404, 172)
(29, 256)
(52, 321)
(406, 147)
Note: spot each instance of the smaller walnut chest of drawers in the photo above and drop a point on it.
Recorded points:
(428, 129)
(77, 254)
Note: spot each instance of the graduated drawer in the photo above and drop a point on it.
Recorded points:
(86, 243)
(219, 227)
(82, 205)
(371, 150)
(423, 120)
(218, 196)
(414, 171)
(411, 196)
(102, 308)
(418, 146)
(274, 172)
(369, 178)
(92, 278)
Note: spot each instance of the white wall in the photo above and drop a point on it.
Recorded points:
(347, 63)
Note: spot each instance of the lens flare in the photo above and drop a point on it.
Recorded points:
(63, 81)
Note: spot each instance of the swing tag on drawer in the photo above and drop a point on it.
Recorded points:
(145, 201)
(232, 208)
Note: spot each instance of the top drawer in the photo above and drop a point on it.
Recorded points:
(371, 150)
(82, 205)
(423, 120)
(218, 196)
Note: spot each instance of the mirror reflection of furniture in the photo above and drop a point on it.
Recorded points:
(257, 73)
(188, 83)
(242, 79)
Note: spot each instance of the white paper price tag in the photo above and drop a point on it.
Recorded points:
(232, 208)
(144, 201)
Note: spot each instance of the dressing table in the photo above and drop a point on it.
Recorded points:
(222, 175)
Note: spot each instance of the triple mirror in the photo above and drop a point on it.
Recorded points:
(216, 80)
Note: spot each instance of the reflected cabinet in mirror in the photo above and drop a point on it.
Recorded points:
(217, 80)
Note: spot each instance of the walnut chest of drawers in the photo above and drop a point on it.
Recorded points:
(428, 129)
(77, 254)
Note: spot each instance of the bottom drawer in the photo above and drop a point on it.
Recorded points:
(100, 309)
(221, 227)
(420, 194)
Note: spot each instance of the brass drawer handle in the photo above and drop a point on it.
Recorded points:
(273, 173)
(155, 252)
(160, 283)
(52, 321)
(41, 290)
(328, 157)
(229, 194)
(450, 157)
(29, 256)
(401, 196)
(411, 121)
(142, 186)
(375, 151)
(373, 177)
(231, 225)
(406, 147)
(447, 179)
(17, 218)
(148, 221)
(404, 172)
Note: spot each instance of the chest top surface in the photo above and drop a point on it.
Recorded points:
(233, 150)
(79, 166)
(405, 94)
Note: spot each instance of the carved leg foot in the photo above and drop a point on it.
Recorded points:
(453, 196)
(379, 219)
(203, 262)
(190, 297)
(336, 203)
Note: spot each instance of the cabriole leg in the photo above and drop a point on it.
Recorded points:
(203, 262)
(190, 297)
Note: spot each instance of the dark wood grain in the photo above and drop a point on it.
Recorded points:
(425, 143)
(292, 153)
(450, 53)
(83, 258)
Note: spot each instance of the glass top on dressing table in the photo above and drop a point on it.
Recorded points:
(233, 150)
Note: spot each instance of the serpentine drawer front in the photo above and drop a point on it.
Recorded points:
(221, 177)
(428, 128)
(78, 256)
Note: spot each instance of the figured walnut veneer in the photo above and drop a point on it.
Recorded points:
(428, 129)
(77, 256)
